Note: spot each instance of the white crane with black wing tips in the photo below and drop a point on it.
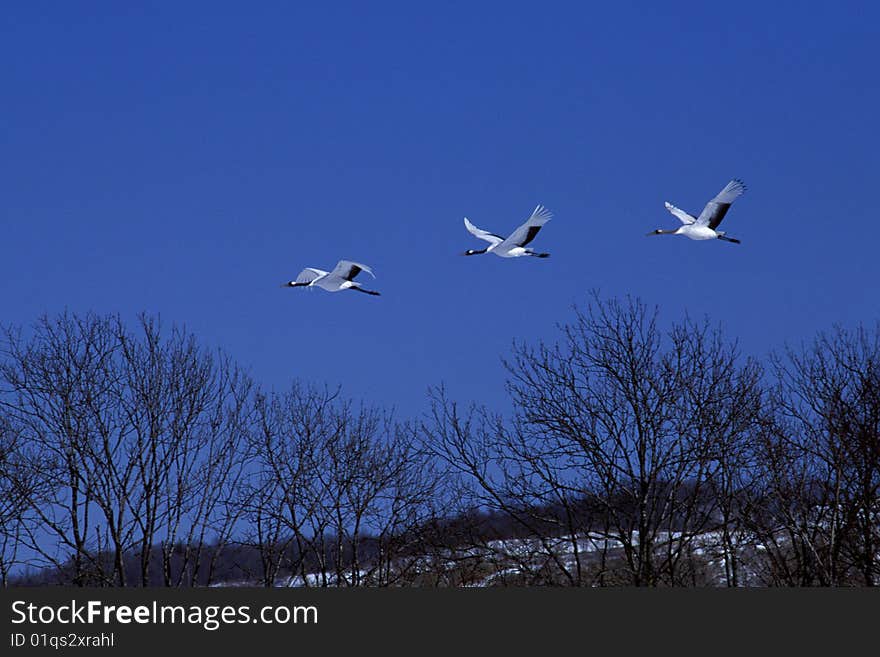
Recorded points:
(515, 245)
(703, 227)
(341, 278)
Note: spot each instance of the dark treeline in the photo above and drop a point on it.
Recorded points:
(634, 455)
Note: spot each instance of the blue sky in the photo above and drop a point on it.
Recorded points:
(186, 158)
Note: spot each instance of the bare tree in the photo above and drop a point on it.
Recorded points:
(720, 408)
(376, 489)
(17, 485)
(619, 430)
(281, 497)
(187, 410)
(135, 439)
(818, 510)
(500, 471)
(57, 388)
(337, 493)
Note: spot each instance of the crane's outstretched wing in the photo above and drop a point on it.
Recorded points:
(309, 274)
(347, 270)
(527, 232)
(683, 216)
(492, 238)
(715, 209)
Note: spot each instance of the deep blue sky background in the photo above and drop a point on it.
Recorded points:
(186, 158)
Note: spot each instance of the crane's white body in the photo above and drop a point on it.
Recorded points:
(695, 232)
(513, 246)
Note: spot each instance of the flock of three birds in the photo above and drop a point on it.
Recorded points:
(702, 227)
